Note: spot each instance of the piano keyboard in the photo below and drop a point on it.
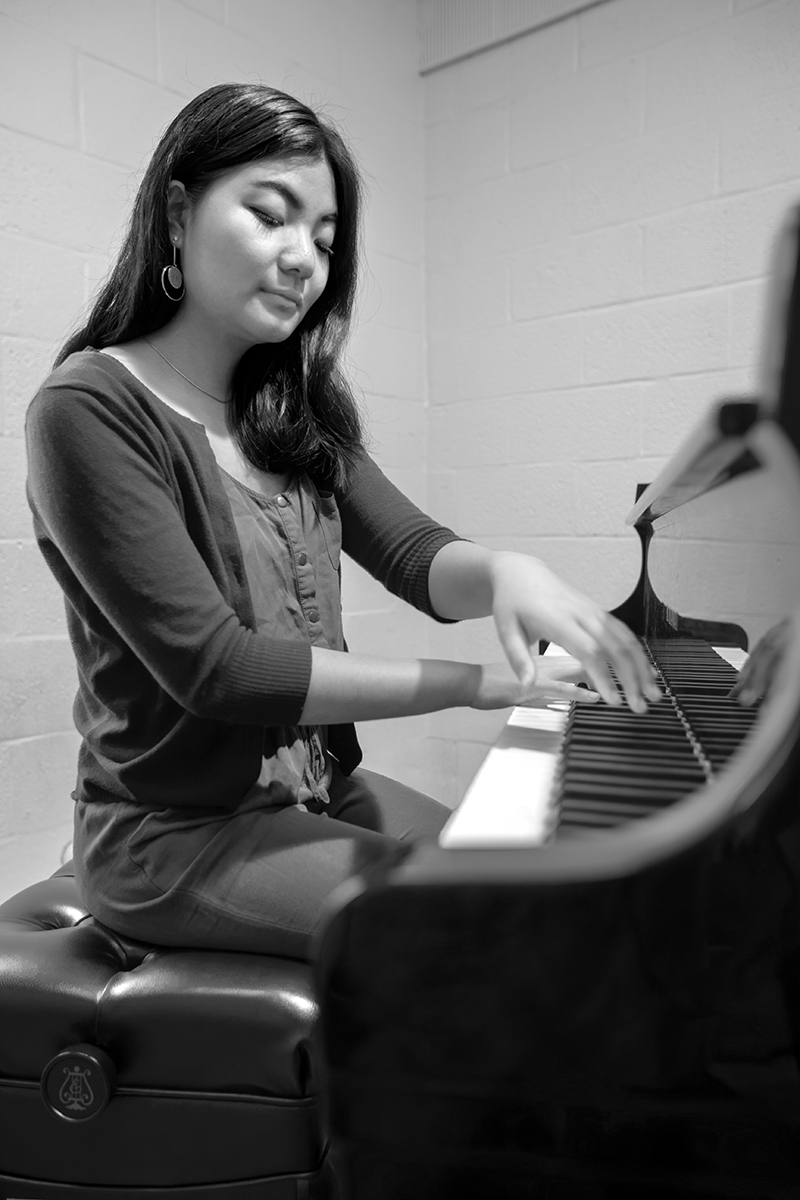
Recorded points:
(560, 769)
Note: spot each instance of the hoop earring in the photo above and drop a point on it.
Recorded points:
(172, 278)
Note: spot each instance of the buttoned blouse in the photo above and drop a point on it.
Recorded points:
(291, 545)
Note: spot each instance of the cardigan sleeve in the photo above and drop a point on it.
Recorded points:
(390, 537)
(108, 519)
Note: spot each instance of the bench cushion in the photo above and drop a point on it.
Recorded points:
(213, 1052)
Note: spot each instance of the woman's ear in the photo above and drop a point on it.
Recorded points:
(177, 211)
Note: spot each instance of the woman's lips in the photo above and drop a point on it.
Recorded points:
(285, 298)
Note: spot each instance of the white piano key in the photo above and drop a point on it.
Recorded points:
(508, 801)
(733, 655)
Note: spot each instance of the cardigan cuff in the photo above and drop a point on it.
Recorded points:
(267, 682)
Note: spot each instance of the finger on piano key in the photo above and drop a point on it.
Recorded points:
(631, 666)
(760, 668)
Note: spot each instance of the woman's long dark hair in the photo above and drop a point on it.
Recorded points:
(291, 407)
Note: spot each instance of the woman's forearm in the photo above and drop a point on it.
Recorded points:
(354, 687)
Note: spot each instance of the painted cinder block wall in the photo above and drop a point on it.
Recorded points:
(601, 199)
(87, 86)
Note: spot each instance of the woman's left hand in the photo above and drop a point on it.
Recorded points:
(554, 678)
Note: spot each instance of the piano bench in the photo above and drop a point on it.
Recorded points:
(129, 1069)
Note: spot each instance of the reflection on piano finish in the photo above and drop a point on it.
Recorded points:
(607, 1007)
(729, 554)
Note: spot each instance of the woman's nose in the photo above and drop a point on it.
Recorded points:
(298, 255)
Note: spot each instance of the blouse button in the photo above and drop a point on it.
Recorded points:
(313, 616)
(302, 558)
(281, 501)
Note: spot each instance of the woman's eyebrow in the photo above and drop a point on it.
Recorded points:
(289, 196)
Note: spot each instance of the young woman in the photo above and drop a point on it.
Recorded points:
(196, 466)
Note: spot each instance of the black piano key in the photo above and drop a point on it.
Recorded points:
(664, 741)
(590, 821)
(630, 761)
(605, 810)
(590, 787)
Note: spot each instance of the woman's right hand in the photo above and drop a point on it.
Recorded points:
(555, 678)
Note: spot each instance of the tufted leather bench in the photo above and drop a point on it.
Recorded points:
(186, 1070)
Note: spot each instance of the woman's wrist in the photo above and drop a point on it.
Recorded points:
(505, 564)
(459, 581)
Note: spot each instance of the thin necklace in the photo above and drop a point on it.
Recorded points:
(186, 377)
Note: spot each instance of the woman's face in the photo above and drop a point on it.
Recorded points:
(255, 248)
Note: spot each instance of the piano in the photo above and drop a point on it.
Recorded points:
(589, 988)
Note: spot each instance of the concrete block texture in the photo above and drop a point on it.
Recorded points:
(396, 430)
(386, 361)
(644, 175)
(196, 52)
(584, 271)
(118, 31)
(28, 55)
(401, 749)
(506, 360)
(124, 115)
(392, 292)
(28, 857)
(37, 777)
(748, 302)
(469, 724)
(485, 219)
(273, 29)
(41, 288)
(576, 425)
(395, 221)
(208, 8)
(671, 408)
(624, 27)
(93, 197)
(538, 499)
(722, 69)
(378, 55)
(15, 516)
(31, 602)
(652, 338)
(557, 118)
(24, 363)
(361, 593)
(762, 145)
(39, 685)
(467, 149)
(470, 294)
(713, 243)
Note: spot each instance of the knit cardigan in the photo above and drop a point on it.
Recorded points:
(175, 685)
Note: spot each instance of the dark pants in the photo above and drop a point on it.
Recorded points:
(258, 880)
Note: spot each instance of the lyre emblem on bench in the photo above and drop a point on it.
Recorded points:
(76, 1091)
